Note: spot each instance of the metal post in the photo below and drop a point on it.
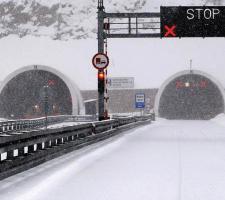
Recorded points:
(10, 155)
(39, 146)
(100, 4)
(21, 151)
(101, 105)
(30, 149)
(46, 106)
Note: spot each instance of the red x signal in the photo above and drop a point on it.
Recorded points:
(51, 82)
(203, 84)
(170, 31)
(179, 84)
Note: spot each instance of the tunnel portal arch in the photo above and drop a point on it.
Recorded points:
(190, 95)
(21, 93)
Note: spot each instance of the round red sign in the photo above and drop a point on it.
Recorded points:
(100, 61)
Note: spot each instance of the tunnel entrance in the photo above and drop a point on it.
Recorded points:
(192, 97)
(23, 96)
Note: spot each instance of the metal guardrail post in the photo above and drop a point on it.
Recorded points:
(10, 155)
(53, 142)
(31, 149)
(21, 151)
(39, 146)
(46, 144)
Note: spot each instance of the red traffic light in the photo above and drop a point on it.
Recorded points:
(101, 75)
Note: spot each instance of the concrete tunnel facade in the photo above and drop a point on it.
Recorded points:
(190, 95)
(22, 93)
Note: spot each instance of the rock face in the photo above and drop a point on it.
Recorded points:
(60, 19)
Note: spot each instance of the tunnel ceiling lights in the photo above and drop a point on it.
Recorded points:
(187, 84)
(202, 84)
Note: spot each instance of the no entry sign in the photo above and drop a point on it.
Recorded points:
(100, 61)
(195, 21)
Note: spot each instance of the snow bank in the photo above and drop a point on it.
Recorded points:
(219, 119)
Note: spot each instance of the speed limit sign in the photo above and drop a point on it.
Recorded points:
(100, 61)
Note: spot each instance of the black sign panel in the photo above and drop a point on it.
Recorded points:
(195, 21)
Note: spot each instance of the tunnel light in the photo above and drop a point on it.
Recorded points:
(36, 107)
(51, 82)
(187, 84)
(179, 84)
(203, 84)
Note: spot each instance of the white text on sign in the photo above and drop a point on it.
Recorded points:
(201, 13)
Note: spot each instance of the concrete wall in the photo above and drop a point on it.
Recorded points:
(123, 101)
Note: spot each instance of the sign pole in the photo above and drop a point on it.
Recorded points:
(101, 95)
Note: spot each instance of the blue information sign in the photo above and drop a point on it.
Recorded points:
(140, 100)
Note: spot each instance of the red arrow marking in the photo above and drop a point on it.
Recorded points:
(170, 31)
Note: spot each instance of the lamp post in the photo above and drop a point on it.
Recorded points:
(46, 105)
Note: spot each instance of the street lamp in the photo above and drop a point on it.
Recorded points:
(46, 87)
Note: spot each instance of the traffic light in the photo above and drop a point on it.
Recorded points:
(101, 81)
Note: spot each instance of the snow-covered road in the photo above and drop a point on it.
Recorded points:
(167, 160)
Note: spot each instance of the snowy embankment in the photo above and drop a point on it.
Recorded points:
(166, 160)
(219, 119)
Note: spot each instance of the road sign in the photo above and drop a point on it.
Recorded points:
(120, 82)
(194, 21)
(140, 100)
(100, 61)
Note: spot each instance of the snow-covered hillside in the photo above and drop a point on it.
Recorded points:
(69, 19)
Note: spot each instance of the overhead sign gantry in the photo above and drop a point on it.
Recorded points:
(170, 22)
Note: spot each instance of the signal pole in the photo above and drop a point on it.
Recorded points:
(101, 82)
(135, 26)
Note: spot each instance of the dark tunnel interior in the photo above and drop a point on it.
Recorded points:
(32, 93)
(191, 97)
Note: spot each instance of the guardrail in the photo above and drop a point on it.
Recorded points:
(82, 118)
(21, 151)
(28, 124)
